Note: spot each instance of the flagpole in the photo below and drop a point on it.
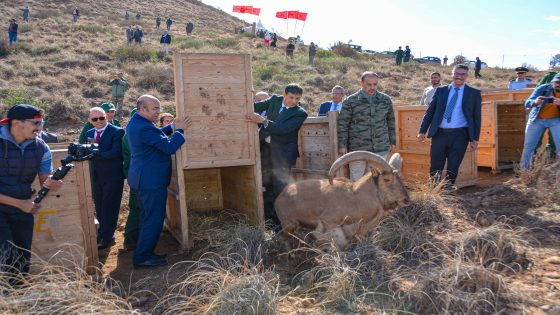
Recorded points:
(295, 26)
(302, 28)
(287, 29)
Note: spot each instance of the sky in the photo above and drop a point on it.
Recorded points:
(503, 33)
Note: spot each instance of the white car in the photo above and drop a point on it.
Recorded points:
(471, 64)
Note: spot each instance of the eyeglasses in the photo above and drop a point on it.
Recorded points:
(35, 122)
(102, 118)
(337, 93)
(460, 74)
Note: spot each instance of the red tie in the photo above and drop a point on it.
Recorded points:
(97, 136)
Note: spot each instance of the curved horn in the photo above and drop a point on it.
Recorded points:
(377, 160)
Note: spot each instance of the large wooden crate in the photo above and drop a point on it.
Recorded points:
(64, 232)
(219, 166)
(506, 95)
(318, 147)
(502, 134)
(416, 155)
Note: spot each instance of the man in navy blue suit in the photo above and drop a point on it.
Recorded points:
(108, 179)
(150, 172)
(279, 132)
(336, 103)
(454, 118)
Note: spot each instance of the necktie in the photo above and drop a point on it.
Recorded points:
(97, 136)
(282, 108)
(451, 105)
(335, 106)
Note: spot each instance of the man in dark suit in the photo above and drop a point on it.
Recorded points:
(150, 172)
(279, 132)
(454, 117)
(108, 179)
(335, 104)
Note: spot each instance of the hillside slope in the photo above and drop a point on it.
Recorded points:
(63, 67)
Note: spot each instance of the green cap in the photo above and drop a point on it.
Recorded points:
(108, 106)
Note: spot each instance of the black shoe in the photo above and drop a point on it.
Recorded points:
(159, 256)
(105, 244)
(129, 245)
(151, 262)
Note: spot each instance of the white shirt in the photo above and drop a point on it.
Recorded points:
(428, 95)
(100, 132)
(458, 119)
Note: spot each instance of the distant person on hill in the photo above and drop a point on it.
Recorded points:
(406, 54)
(138, 34)
(521, 81)
(126, 15)
(398, 56)
(26, 13)
(110, 112)
(312, 53)
(165, 119)
(266, 39)
(12, 31)
(431, 90)
(168, 22)
(477, 67)
(118, 86)
(138, 15)
(165, 41)
(75, 15)
(190, 28)
(290, 50)
(337, 96)
(445, 61)
(158, 22)
(129, 35)
(274, 40)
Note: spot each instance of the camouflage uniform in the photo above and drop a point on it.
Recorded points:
(365, 125)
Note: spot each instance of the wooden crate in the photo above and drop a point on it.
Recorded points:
(64, 232)
(219, 165)
(502, 134)
(318, 147)
(416, 155)
(506, 95)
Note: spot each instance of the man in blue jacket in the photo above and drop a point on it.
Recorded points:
(108, 178)
(335, 104)
(150, 173)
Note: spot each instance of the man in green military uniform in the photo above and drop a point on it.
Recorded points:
(399, 55)
(110, 111)
(366, 122)
(118, 85)
(132, 226)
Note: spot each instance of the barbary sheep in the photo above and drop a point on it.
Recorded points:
(337, 207)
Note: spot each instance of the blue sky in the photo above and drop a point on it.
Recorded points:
(500, 32)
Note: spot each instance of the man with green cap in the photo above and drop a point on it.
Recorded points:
(110, 111)
(118, 85)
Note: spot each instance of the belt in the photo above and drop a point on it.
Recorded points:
(452, 129)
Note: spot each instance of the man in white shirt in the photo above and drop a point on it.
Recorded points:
(336, 103)
(430, 90)
(521, 81)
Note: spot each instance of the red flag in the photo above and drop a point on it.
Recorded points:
(255, 11)
(293, 14)
(237, 8)
(246, 9)
(302, 16)
(282, 14)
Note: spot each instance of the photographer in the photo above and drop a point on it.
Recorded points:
(118, 86)
(23, 156)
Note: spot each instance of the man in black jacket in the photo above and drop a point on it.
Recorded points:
(279, 132)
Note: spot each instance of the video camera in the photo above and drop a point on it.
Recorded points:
(76, 152)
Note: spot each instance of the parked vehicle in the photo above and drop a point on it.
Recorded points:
(428, 60)
(471, 63)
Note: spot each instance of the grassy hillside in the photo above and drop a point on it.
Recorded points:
(63, 66)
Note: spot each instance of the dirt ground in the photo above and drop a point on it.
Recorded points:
(538, 286)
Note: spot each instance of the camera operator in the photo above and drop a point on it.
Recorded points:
(108, 177)
(22, 157)
(118, 85)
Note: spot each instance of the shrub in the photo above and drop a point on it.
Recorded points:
(323, 53)
(191, 44)
(44, 50)
(134, 53)
(10, 98)
(92, 28)
(266, 72)
(343, 50)
(226, 43)
(459, 59)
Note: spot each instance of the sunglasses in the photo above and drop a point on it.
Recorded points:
(102, 118)
(36, 123)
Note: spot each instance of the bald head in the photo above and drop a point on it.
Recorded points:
(97, 117)
(149, 107)
(261, 96)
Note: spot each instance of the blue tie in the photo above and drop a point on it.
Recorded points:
(451, 105)
(335, 106)
(281, 109)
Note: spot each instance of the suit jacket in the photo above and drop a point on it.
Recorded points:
(108, 162)
(324, 108)
(150, 153)
(283, 130)
(472, 103)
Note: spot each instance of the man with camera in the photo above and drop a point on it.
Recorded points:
(108, 178)
(22, 157)
(118, 86)
(545, 113)
(150, 172)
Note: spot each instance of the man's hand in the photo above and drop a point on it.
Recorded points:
(539, 100)
(392, 148)
(473, 145)
(182, 122)
(28, 206)
(256, 118)
(52, 184)
(556, 102)
(421, 137)
(342, 151)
